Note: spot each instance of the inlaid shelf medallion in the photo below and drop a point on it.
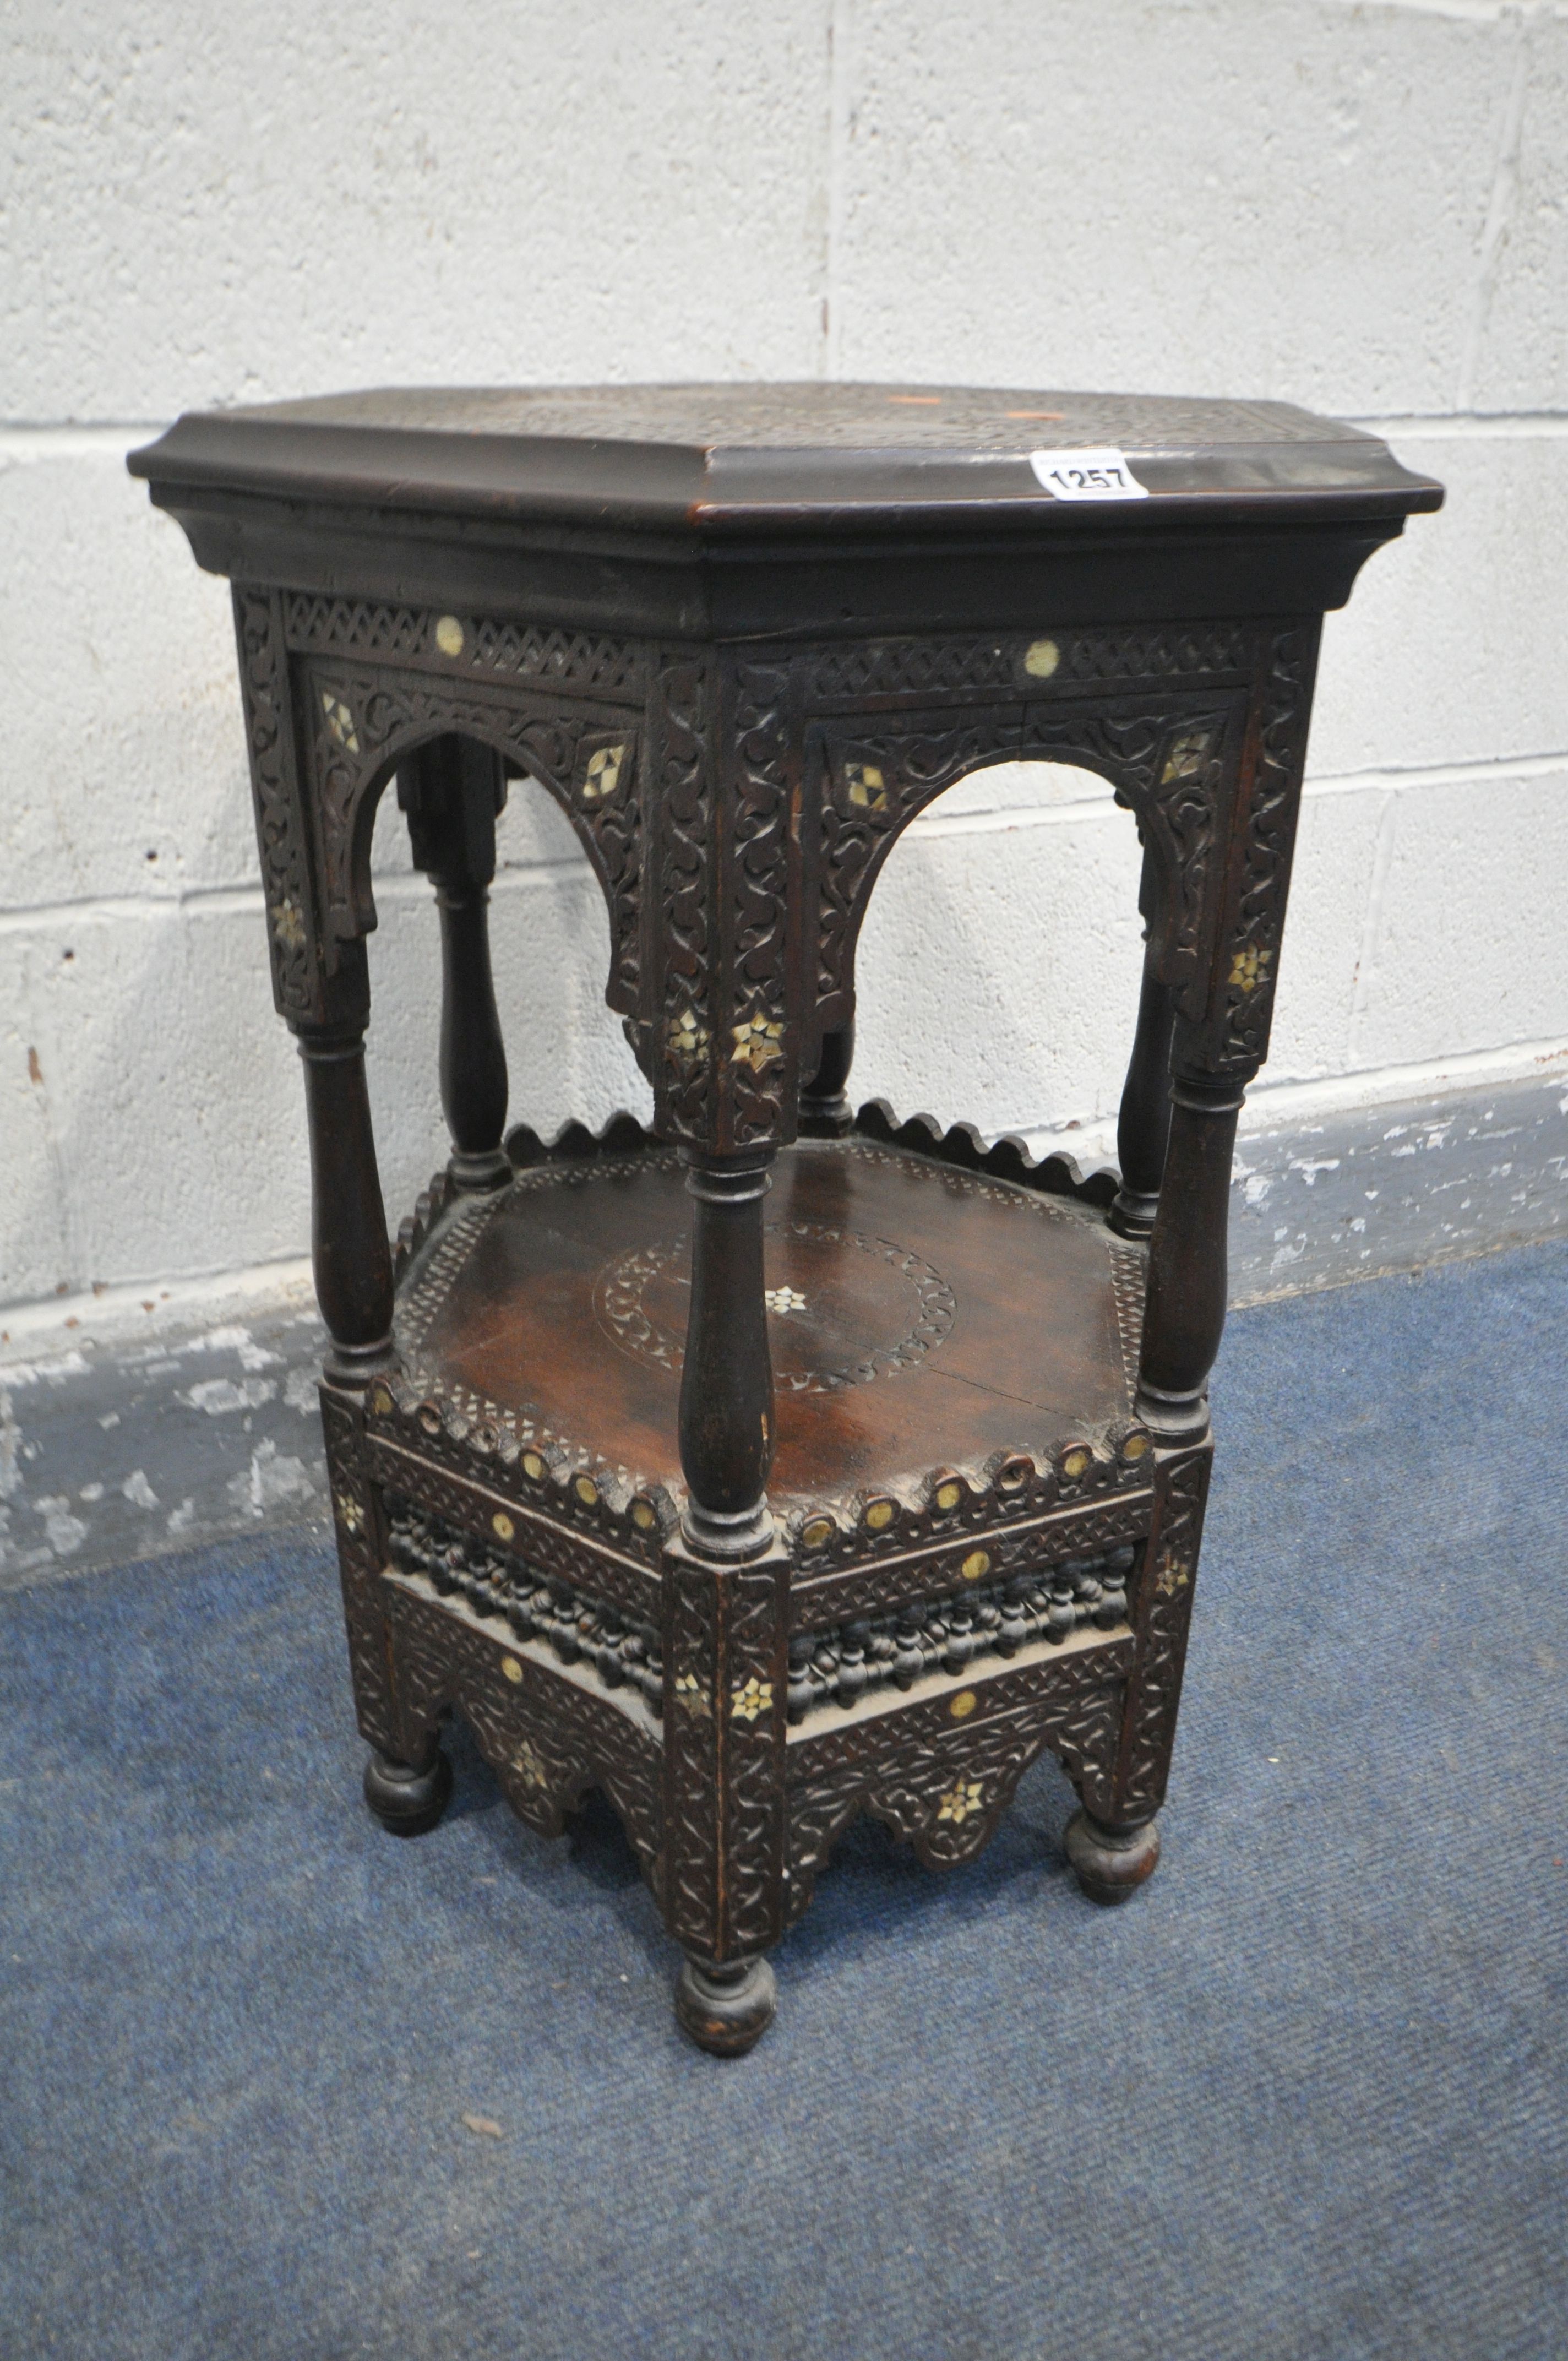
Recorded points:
(774, 1463)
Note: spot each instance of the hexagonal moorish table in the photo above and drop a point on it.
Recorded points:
(774, 1463)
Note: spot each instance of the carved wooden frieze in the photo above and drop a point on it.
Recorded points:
(724, 1738)
(693, 1713)
(751, 1708)
(1162, 1613)
(466, 646)
(549, 1740)
(546, 1539)
(361, 1546)
(871, 1585)
(1045, 1600)
(612, 1627)
(942, 1771)
(1048, 661)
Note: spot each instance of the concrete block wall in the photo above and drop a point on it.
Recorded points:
(1356, 207)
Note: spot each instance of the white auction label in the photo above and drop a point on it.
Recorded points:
(1088, 474)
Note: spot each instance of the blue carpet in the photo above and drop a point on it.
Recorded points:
(1303, 2097)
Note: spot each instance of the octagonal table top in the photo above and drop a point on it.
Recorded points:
(753, 455)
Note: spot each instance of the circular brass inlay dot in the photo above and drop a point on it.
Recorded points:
(948, 1495)
(587, 1491)
(817, 1532)
(1017, 1472)
(502, 1526)
(381, 1400)
(449, 636)
(1134, 1447)
(511, 1668)
(1042, 659)
(532, 1465)
(642, 1516)
(963, 1705)
(1076, 1462)
(977, 1562)
(880, 1515)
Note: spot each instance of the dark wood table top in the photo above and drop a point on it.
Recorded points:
(704, 456)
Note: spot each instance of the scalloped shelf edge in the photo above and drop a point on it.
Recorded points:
(1006, 1159)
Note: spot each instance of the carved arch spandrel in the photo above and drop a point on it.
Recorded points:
(285, 839)
(358, 722)
(1173, 760)
(1232, 1037)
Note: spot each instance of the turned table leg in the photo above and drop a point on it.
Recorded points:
(349, 1250)
(1143, 1129)
(1185, 1313)
(353, 1286)
(825, 1109)
(725, 1588)
(450, 791)
(726, 1383)
(408, 1798)
(1114, 1842)
(1111, 1864)
(726, 2008)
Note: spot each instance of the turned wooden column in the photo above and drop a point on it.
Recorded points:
(1142, 1128)
(452, 790)
(727, 1381)
(825, 1109)
(1185, 1314)
(349, 1251)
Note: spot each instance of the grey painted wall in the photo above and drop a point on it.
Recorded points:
(1361, 207)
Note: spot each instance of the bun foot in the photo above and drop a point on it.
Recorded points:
(1110, 1863)
(406, 1801)
(726, 2010)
